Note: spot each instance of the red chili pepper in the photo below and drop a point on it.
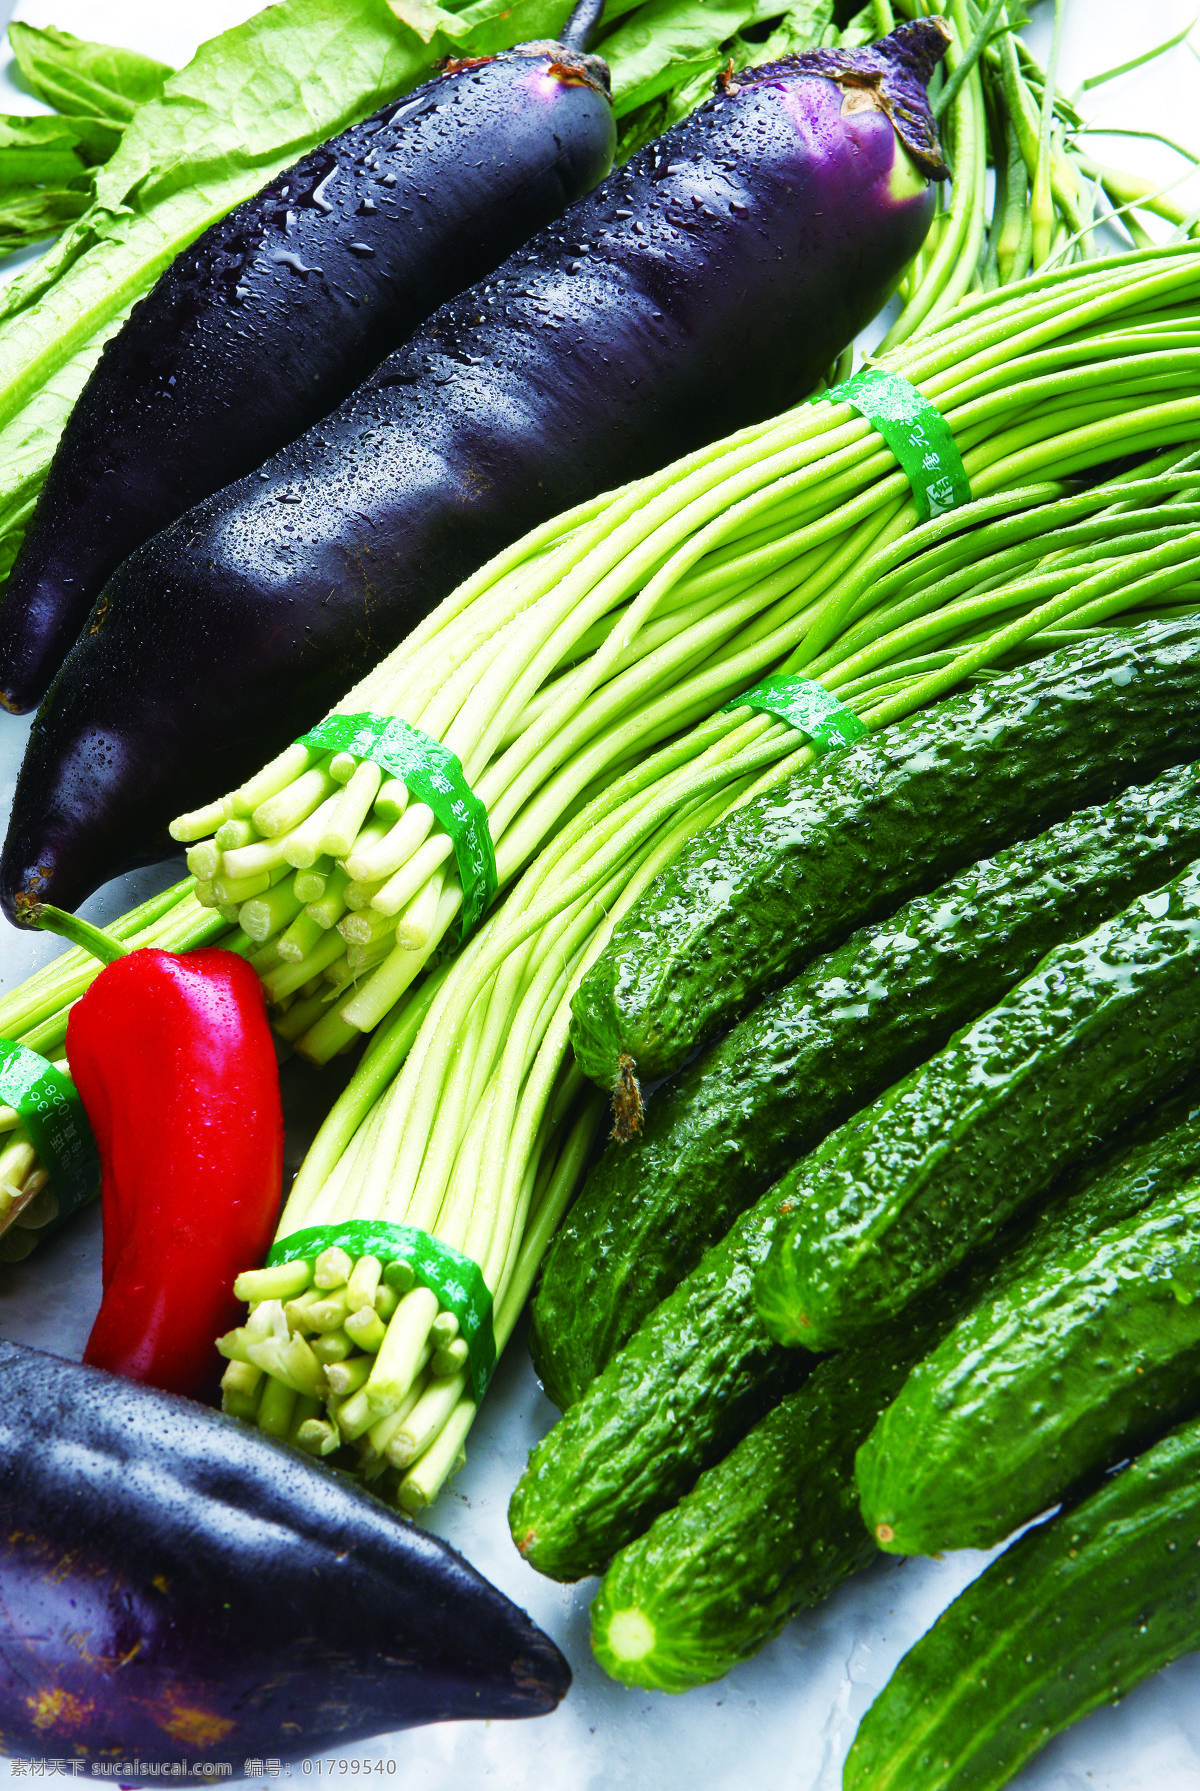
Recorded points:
(173, 1060)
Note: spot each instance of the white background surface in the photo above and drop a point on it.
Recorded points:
(788, 1717)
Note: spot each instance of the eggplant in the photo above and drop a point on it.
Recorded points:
(704, 286)
(176, 1586)
(273, 316)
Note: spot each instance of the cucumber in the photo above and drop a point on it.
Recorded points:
(1074, 1615)
(688, 1385)
(914, 1183)
(775, 1526)
(1088, 1356)
(740, 1114)
(748, 902)
(1154, 1155)
(695, 1377)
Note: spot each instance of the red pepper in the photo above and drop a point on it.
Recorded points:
(173, 1060)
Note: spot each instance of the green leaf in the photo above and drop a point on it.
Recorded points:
(668, 42)
(487, 26)
(427, 20)
(614, 10)
(39, 152)
(492, 25)
(31, 216)
(800, 29)
(97, 82)
(639, 126)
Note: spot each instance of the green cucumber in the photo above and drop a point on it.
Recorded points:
(1068, 1367)
(775, 1526)
(688, 1385)
(1073, 1616)
(910, 1187)
(772, 1528)
(695, 1377)
(749, 902)
(742, 1112)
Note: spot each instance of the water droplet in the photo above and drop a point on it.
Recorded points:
(318, 192)
(292, 261)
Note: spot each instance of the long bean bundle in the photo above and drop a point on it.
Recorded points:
(628, 621)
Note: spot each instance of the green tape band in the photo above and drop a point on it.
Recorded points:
(453, 1277)
(806, 706)
(52, 1113)
(435, 776)
(916, 432)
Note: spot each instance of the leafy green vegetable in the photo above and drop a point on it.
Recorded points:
(802, 28)
(27, 216)
(85, 80)
(39, 152)
(45, 162)
(667, 42)
(99, 86)
(807, 24)
(483, 28)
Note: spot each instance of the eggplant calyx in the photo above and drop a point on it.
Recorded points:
(570, 66)
(892, 75)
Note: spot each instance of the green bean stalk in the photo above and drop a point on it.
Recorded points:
(624, 623)
(997, 107)
(27, 1202)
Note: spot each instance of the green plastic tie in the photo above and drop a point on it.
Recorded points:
(916, 432)
(806, 706)
(453, 1277)
(52, 1113)
(435, 776)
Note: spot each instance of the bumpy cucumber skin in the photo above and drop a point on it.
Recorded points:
(748, 902)
(1158, 1153)
(772, 1528)
(689, 1384)
(1091, 1356)
(1074, 1615)
(912, 1185)
(775, 1526)
(740, 1114)
(694, 1378)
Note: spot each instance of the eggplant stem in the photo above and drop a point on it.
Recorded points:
(579, 29)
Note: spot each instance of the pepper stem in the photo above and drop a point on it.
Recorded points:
(79, 932)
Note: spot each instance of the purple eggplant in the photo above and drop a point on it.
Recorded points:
(175, 1586)
(276, 313)
(707, 284)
